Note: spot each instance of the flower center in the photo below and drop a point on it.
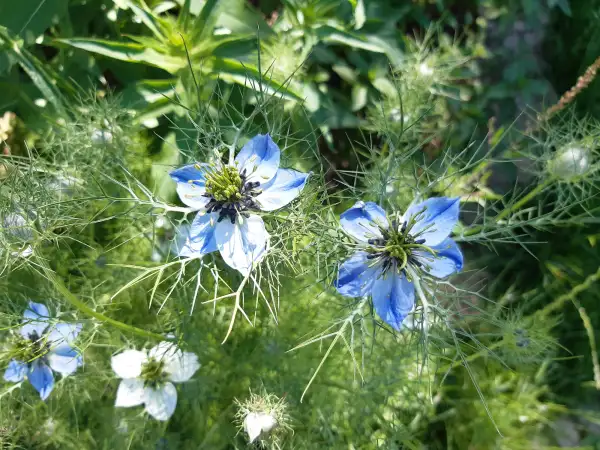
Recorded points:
(224, 185)
(229, 192)
(153, 372)
(30, 349)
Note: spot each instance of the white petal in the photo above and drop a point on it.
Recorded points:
(65, 361)
(160, 403)
(128, 364)
(62, 335)
(284, 187)
(256, 424)
(242, 243)
(130, 393)
(259, 159)
(182, 366)
(164, 350)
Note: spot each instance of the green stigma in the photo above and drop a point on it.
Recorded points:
(153, 372)
(225, 184)
(29, 350)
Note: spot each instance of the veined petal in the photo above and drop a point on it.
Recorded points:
(436, 217)
(163, 351)
(284, 187)
(393, 297)
(356, 275)
(65, 361)
(128, 364)
(15, 371)
(242, 243)
(259, 158)
(130, 393)
(62, 335)
(363, 221)
(191, 185)
(35, 320)
(161, 402)
(41, 378)
(257, 423)
(181, 366)
(447, 261)
(202, 234)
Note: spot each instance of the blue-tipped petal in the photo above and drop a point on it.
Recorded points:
(436, 218)
(41, 379)
(15, 371)
(259, 159)
(393, 298)
(363, 221)
(65, 361)
(242, 243)
(62, 335)
(35, 320)
(356, 275)
(284, 187)
(201, 235)
(191, 185)
(448, 260)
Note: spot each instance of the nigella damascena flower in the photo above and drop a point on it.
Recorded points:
(392, 251)
(148, 377)
(227, 196)
(43, 347)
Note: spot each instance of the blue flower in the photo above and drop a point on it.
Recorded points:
(226, 196)
(391, 250)
(43, 348)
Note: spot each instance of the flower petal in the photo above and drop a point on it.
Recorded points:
(436, 217)
(65, 361)
(191, 185)
(202, 235)
(41, 379)
(161, 402)
(448, 260)
(163, 350)
(181, 366)
(35, 320)
(62, 335)
(363, 221)
(128, 364)
(259, 158)
(393, 297)
(356, 275)
(284, 187)
(131, 392)
(15, 371)
(257, 423)
(242, 243)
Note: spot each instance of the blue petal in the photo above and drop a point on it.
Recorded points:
(448, 260)
(15, 371)
(356, 275)
(41, 379)
(35, 320)
(201, 236)
(259, 158)
(284, 187)
(363, 221)
(65, 360)
(436, 217)
(191, 183)
(62, 335)
(393, 298)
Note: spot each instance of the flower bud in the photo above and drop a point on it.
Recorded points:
(101, 137)
(258, 424)
(571, 162)
(264, 419)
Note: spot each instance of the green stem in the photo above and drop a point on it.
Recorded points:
(73, 300)
(524, 200)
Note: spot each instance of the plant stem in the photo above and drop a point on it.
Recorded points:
(73, 300)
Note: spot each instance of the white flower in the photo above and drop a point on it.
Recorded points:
(571, 162)
(148, 377)
(101, 137)
(257, 424)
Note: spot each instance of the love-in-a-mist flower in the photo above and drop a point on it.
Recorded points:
(41, 348)
(227, 196)
(148, 377)
(392, 250)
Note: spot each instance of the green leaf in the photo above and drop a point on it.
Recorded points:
(207, 19)
(338, 36)
(147, 18)
(163, 187)
(39, 75)
(30, 18)
(359, 97)
(360, 17)
(127, 51)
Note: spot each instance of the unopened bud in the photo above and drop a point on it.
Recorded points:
(101, 137)
(571, 162)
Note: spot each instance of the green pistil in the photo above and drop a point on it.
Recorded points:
(224, 184)
(26, 350)
(153, 372)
